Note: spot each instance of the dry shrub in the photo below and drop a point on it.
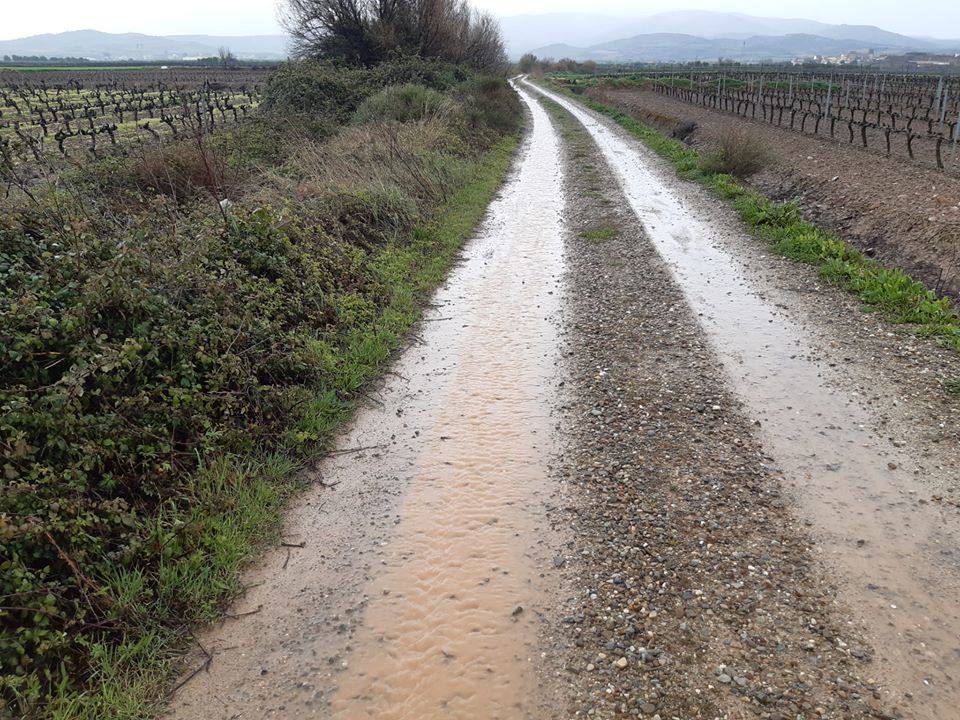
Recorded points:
(683, 130)
(493, 108)
(184, 171)
(418, 157)
(372, 183)
(367, 32)
(739, 153)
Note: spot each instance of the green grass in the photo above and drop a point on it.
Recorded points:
(599, 234)
(238, 502)
(897, 296)
(953, 386)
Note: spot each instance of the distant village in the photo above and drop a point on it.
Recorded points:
(914, 60)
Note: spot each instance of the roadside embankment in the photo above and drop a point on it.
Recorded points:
(182, 330)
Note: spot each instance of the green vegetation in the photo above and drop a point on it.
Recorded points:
(403, 103)
(168, 360)
(899, 298)
(599, 234)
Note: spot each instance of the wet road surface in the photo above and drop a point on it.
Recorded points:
(449, 630)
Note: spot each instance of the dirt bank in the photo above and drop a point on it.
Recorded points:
(904, 215)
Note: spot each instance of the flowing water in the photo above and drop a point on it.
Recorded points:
(896, 556)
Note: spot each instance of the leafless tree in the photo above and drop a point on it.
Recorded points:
(369, 31)
(227, 58)
(331, 28)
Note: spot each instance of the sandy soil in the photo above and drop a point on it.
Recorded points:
(904, 215)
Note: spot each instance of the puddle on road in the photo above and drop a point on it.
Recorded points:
(896, 556)
(451, 624)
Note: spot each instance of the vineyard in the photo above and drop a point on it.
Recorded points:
(49, 119)
(909, 116)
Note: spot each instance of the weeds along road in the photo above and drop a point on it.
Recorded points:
(621, 471)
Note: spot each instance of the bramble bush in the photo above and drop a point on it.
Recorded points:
(123, 365)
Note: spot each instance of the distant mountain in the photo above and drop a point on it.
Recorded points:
(676, 47)
(261, 47)
(523, 33)
(656, 47)
(709, 24)
(526, 33)
(97, 45)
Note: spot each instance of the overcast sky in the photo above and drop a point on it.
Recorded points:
(18, 18)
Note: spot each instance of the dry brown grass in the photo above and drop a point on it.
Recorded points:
(184, 171)
(738, 152)
(377, 157)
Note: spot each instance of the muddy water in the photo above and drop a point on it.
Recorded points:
(450, 628)
(894, 553)
(417, 590)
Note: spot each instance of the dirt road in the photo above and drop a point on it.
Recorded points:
(630, 466)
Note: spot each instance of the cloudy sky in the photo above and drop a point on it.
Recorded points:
(939, 18)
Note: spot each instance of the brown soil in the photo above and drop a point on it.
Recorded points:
(904, 215)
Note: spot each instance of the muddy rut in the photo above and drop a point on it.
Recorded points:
(611, 475)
